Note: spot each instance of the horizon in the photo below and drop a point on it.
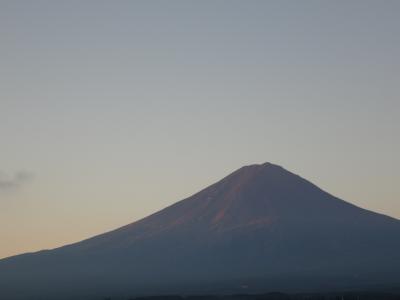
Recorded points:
(110, 111)
(254, 165)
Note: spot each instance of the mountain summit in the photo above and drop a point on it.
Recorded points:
(260, 228)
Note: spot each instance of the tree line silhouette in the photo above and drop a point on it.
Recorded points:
(281, 296)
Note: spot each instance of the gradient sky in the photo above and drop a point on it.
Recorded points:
(111, 110)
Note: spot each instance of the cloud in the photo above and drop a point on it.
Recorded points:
(19, 179)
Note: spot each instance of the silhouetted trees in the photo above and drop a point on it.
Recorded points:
(281, 296)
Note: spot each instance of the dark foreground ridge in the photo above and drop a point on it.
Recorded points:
(282, 296)
(260, 229)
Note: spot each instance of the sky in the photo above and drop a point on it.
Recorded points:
(112, 110)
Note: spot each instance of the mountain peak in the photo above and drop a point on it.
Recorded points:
(258, 173)
(263, 167)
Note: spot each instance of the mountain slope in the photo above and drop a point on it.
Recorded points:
(261, 227)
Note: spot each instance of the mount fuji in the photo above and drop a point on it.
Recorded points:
(261, 228)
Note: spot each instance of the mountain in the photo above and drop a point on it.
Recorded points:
(261, 228)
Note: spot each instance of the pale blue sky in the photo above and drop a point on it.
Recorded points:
(116, 109)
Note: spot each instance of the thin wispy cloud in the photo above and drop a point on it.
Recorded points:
(16, 181)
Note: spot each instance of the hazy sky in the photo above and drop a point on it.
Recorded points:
(111, 110)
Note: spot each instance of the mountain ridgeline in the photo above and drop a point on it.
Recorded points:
(259, 229)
